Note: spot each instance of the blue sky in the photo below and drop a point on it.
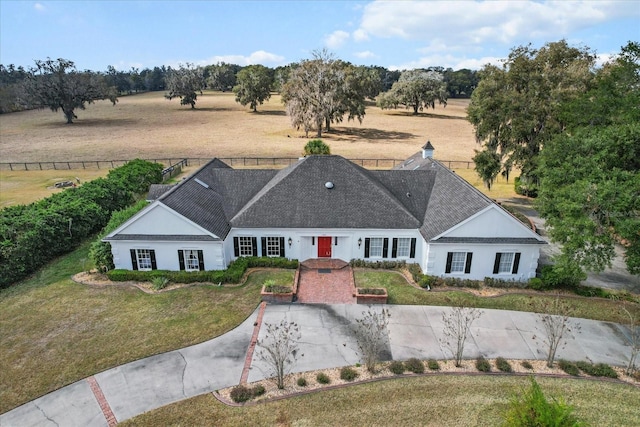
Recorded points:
(393, 34)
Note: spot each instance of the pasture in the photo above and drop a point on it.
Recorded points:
(149, 126)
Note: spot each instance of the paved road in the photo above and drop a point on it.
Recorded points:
(328, 340)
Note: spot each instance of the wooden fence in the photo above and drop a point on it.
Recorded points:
(238, 162)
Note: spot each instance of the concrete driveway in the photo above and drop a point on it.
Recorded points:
(327, 341)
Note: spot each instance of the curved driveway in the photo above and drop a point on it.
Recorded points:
(328, 340)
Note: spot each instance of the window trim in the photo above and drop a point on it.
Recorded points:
(136, 258)
(515, 263)
(466, 266)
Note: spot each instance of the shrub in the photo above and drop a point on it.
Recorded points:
(159, 283)
(483, 364)
(316, 146)
(568, 367)
(371, 291)
(414, 365)
(278, 289)
(563, 274)
(396, 367)
(241, 393)
(503, 365)
(597, 370)
(503, 284)
(433, 364)
(348, 374)
(258, 390)
(378, 265)
(416, 272)
(537, 284)
(531, 408)
(302, 382)
(526, 364)
(323, 378)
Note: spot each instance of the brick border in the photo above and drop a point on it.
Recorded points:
(252, 345)
(102, 401)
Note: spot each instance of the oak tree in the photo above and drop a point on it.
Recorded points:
(253, 85)
(58, 85)
(185, 83)
(417, 90)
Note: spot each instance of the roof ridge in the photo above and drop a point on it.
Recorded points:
(191, 177)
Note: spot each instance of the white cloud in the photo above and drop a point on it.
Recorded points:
(39, 7)
(448, 61)
(258, 57)
(365, 55)
(473, 23)
(360, 35)
(336, 39)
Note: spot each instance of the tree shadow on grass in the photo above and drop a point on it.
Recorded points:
(204, 109)
(270, 112)
(87, 123)
(349, 133)
(425, 115)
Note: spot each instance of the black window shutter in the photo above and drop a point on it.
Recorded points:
(467, 265)
(201, 260)
(413, 248)
(447, 268)
(496, 264)
(152, 253)
(282, 247)
(394, 248)
(516, 263)
(313, 240)
(236, 247)
(367, 242)
(254, 245)
(181, 258)
(134, 259)
(335, 241)
(263, 242)
(385, 248)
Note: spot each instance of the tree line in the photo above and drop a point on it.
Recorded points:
(252, 84)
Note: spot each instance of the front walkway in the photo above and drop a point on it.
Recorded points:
(326, 281)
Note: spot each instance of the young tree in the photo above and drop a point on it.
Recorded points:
(457, 328)
(372, 336)
(416, 89)
(516, 109)
(253, 85)
(57, 85)
(185, 83)
(556, 322)
(279, 348)
(487, 165)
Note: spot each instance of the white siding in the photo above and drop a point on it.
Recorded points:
(492, 222)
(160, 220)
(167, 253)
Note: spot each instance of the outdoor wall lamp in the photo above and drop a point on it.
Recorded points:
(290, 241)
(359, 242)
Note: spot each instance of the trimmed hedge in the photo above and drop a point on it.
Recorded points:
(32, 235)
(233, 274)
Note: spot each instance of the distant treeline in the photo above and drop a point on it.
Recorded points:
(221, 76)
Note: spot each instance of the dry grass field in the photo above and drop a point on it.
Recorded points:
(149, 126)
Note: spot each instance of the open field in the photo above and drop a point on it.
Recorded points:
(149, 126)
(436, 400)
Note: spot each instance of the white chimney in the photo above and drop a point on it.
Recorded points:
(427, 150)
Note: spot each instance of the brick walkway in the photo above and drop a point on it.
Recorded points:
(326, 282)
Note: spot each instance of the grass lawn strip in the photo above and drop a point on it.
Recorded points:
(430, 400)
(55, 331)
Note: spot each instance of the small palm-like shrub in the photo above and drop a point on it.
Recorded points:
(483, 364)
(302, 382)
(159, 283)
(433, 364)
(503, 365)
(526, 364)
(414, 365)
(396, 367)
(323, 378)
(348, 374)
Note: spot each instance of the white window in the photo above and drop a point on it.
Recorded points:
(245, 245)
(144, 259)
(191, 262)
(404, 247)
(273, 246)
(458, 260)
(375, 247)
(506, 262)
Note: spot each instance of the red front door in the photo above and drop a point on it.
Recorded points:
(324, 247)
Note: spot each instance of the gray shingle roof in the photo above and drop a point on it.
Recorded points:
(157, 190)
(418, 194)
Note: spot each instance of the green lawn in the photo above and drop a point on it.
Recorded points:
(437, 400)
(400, 292)
(54, 331)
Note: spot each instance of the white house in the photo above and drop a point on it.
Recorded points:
(329, 207)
